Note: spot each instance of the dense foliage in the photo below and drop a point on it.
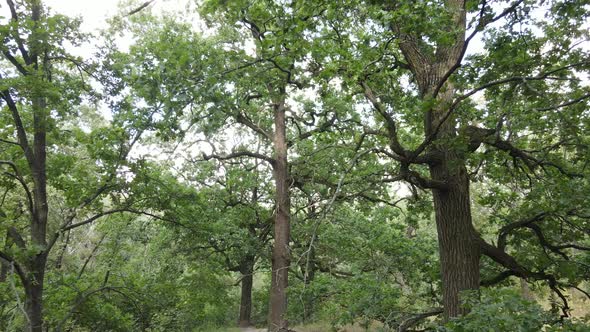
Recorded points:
(387, 165)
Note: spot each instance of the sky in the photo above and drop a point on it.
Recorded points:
(93, 12)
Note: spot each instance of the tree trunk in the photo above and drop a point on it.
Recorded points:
(4, 264)
(34, 296)
(458, 245)
(458, 250)
(32, 269)
(280, 251)
(3, 270)
(247, 270)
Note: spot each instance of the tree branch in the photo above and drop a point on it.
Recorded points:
(482, 23)
(17, 38)
(507, 261)
(389, 121)
(20, 128)
(568, 103)
(23, 183)
(140, 8)
(506, 230)
(241, 154)
(415, 319)
(530, 161)
(243, 119)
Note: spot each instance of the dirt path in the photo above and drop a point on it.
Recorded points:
(251, 329)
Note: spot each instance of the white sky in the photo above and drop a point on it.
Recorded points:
(96, 12)
(93, 12)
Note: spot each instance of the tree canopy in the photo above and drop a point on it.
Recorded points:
(386, 165)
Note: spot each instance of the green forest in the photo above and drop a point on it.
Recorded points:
(296, 165)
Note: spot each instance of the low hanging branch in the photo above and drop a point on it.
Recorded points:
(515, 269)
(412, 320)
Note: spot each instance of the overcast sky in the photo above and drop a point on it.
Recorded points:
(93, 12)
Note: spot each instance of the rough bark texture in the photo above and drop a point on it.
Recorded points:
(280, 251)
(34, 296)
(247, 270)
(3, 270)
(35, 266)
(4, 265)
(459, 252)
(458, 245)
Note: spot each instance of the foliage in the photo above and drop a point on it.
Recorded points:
(159, 208)
(504, 309)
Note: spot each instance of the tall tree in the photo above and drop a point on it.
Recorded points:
(48, 148)
(415, 73)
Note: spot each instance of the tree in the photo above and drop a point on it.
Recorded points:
(416, 76)
(417, 91)
(221, 94)
(58, 169)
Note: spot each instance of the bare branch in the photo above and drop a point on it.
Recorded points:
(93, 218)
(506, 230)
(21, 69)
(9, 142)
(568, 103)
(507, 261)
(20, 128)
(16, 238)
(319, 129)
(530, 161)
(140, 8)
(461, 98)
(542, 76)
(497, 279)
(415, 319)
(241, 154)
(17, 38)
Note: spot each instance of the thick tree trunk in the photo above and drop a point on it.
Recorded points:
(280, 252)
(458, 245)
(457, 239)
(459, 250)
(247, 270)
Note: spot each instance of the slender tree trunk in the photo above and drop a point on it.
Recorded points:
(280, 251)
(247, 271)
(3, 264)
(37, 264)
(32, 269)
(3, 270)
(34, 294)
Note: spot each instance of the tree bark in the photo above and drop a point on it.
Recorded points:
(280, 252)
(247, 271)
(34, 294)
(458, 249)
(3, 270)
(458, 242)
(4, 264)
(36, 265)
